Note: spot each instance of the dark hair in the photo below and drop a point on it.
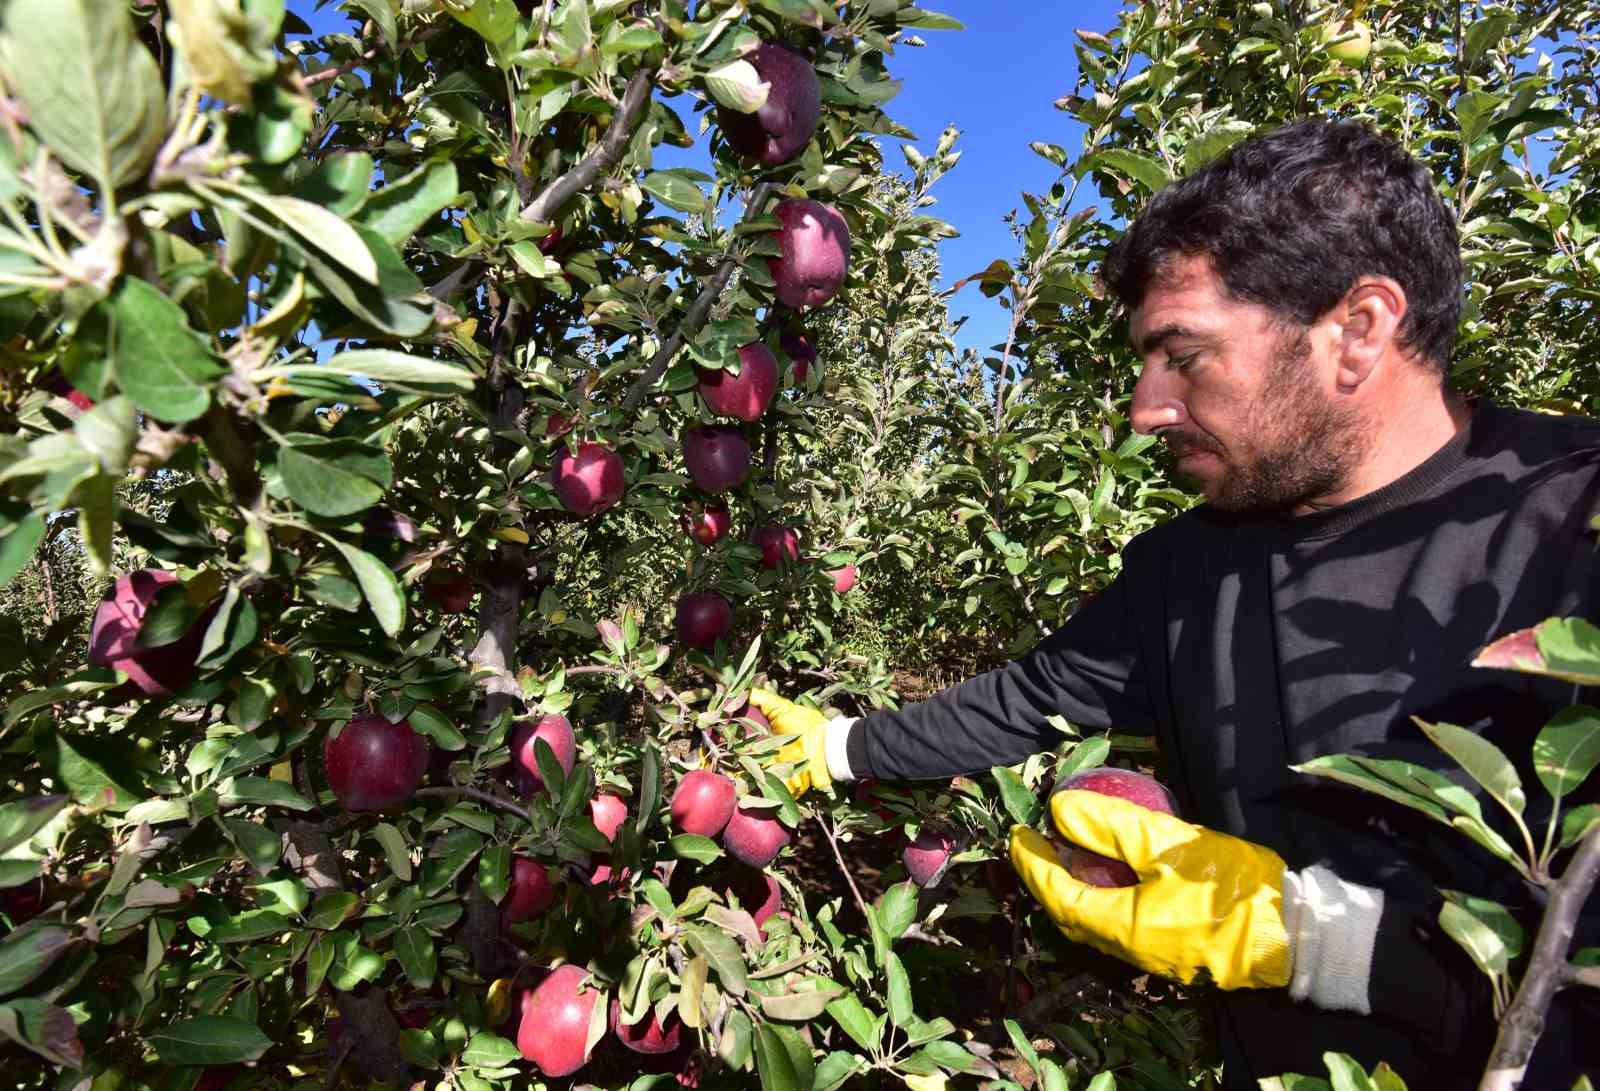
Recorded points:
(1289, 219)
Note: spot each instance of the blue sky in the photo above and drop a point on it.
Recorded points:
(995, 81)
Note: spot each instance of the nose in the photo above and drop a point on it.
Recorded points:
(1156, 399)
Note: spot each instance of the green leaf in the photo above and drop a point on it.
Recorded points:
(381, 12)
(429, 721)
(1486, 930)
(208, 1040)
(487, 1050)
(649, 786)
(773, 1062)
(396, 211)
(395, 850)
(333, 909)
(1129, 164)
(1567, 749)
(263, 792)
(722, 952)
(339, 183)
(93, 92)
(692, 846)
(318, 228)
(44, 1028)
(897, 908)
(379, 585)
(156, 359)
(232, 629)
(1482, 760)
(674, 189)
(333, 477)
(23, 818)
(835, 1069)
(28, 952)
(899, 996)
(1023, 806)
(396, 370)
(414, 947)
(494, 872)
(260, 845)
(800, 1005)
(855, 1020)
(19, 545)
(1212, 142)
(1576, 823)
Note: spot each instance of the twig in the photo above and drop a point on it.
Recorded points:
(1547, 971)
(371, 54)
(833, 842)
(454, 280)
(699, 311)
(1581, 975)
(602, 156)
(481, 796)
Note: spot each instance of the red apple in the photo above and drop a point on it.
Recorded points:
(559, 424)
(554, 1034)
(548, 244)
(375, 763)
(531, 891)
(706, 524)
(752, 719)
(648, 1035)
(754, 836)
(554, 729)
(703, 803)
(744, 396)
(843, 579)
(717, 456)
(927, 857)
(114, 637)
(590, 481)
(1149, 793)
(451, 589)
(781, 128)
(758, 894)
(801, 352)
(777, 544)
(702, 618)
(609, 813)
(815, 252)
(1011, 991)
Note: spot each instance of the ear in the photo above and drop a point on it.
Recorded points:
(1367, 323)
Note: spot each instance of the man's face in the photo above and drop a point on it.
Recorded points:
(1245, 403)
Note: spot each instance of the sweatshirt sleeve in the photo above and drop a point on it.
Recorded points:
(1088, 672)
(1422, 981)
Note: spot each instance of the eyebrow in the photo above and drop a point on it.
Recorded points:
(1158, 337)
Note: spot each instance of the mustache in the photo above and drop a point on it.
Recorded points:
(1181, 444)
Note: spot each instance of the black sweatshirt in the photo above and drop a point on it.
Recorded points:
(1248, 644)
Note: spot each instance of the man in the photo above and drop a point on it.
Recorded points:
(1365, 533)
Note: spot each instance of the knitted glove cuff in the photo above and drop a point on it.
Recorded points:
(835, 741)
(1333, 928)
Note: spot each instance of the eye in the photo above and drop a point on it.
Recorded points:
(1178, 363)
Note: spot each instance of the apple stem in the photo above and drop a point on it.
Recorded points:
(833, 843)
(480, 795)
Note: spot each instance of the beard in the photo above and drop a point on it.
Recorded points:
(1295, 444)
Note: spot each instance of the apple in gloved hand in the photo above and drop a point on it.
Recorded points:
(1147, 792)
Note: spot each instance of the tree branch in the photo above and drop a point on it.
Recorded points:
(453, 281)
(1547, 971)
(481, 796)
(833, 843)
(699, 310)
(602, 156)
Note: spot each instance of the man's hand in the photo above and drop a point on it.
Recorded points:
(806, 749)
(1205, 901)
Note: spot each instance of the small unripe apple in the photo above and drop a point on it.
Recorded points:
(814, 245)
(648, 1035)
(801, 352)
(754, 836)
(703, 803)
(1355, 50)
(717, 457)
(706, 524)
(451, 589)
(588, 482)
(843, 579)
(556, 730)
(781, 127)
(703, 617)
(1149, 793)
(554, 1034)
(531, 891)
(114, 637)
(744, 396)
(927, 857)
(777, 544)
(373, 763)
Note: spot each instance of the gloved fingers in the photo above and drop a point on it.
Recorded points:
(1080, 909)
(1118, 828)
(786, 717)
(769, 702)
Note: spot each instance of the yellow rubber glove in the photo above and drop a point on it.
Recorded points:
(1205, 901)
(806, 749)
